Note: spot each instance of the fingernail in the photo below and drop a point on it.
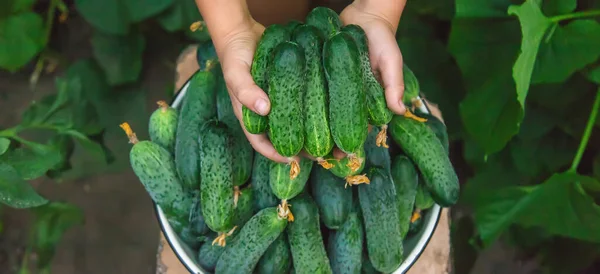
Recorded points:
(261, 106)
(401, 104)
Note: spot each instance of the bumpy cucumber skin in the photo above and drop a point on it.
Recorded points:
(341, 168)
(347, 108)
(318, 140)
(332, 197)
(209, 254)
(379, 113)
(305, 238)
(406, 178)
(423, 199)
(198, 107)
(244, 209)
(377, 156)
(380, 216)
(286, 88)
(163, 127)
(217, 176)
(292, 25)
(263, 195)
(243, 254)
(411, 85)
(367, 266)
(345, 246)
(243, 153)
(277, 259)
(282, 186)
(420, 144)
(271, 37)
(325, 19)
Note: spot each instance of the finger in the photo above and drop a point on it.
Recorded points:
(236, 70)
(305, 154)
(338, 153)
(390, 68)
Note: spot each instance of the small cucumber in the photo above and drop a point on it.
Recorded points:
(345, 246)
(198, 107)
(342, 170)
(263, 195)
(406, 178)
(332, 197)
(305, 238)
(244, 209)
(163, 126)
(411, 87)
(277, 259)
(347, 100)
(318, 140)
(286, 88)
(379, 114)
(420, 144)
(209, 254)
(255, 237)
(324, 19)
(271, 37)
(217, 176)
(423, 199)
(382, 226)
(282, 186)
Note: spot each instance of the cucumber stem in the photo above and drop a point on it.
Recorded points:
(415, 216)
(357, 180)
(220, 240)
(294, 169)
(198, 25)
(283, 211)
(236, 195)
(130, 134)
(324, 163)
(410, 115)
(575, 15)
(354, 162)
(381, 139)
(163, 105)
(586, 134)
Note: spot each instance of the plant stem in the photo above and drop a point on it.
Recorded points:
(575, 15)
(586, 134)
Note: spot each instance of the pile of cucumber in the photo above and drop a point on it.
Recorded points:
(247, 214)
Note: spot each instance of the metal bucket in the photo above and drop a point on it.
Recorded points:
(413, 246)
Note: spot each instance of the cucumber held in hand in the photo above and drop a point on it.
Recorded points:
(271, 37)
(332, 197)
(304, 234)
(379, 113)
(163, 126)
(318, 140)
(286, 89)
(345, 246)
(411, 87)
(382, 226)
(406, 178)
(217, 176)
(277, 259)
(198, 107)
(263, 195)
(421, 145)
(325, 19)
(243, 254)
(347, 100)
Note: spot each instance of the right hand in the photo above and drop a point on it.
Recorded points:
(236, 52)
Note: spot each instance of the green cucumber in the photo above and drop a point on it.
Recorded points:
(244, 209)
(416, 224)
(163, 126)
(439, 129)
(217, 176)
(263, 195)
(318, 140)
(345, 246)
(197, 223)
(341, 168)
(420, 144)
(423, 199)
(277, 259)
(292, 25)
(286, 88)
(209, 254)
(271, 37)
(198, 107)
(367, 266)
(282, 186)
(406, 178)
(204, 52)
(347, 108)
(380, 216)
(411, 87)
(379, 114)
(377, 155)
(332, 197)
(305, 238)
(324, 19)
(255, 237)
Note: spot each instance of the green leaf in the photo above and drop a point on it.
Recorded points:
(570, 49)
(482, 9)
(594, 75)
(109, 16)
(51, 222)
(554, 259)
(485, 51)
(21, 39)
(119, 56)
(179, 16)
(94, 148)
(15, 192)
(21, 5)
(442, 9)
(65, 145)
(533, 26)
(560, 205)
(535, 156)
(143, 9)
(4, 145)
(556, 7)
(34, 161)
